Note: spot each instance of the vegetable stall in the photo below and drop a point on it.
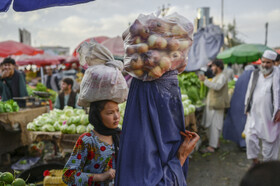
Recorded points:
(13, 124)
(193, 93)
(61, 127)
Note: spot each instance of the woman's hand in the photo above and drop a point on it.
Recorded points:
(110, 174)
(187, 146)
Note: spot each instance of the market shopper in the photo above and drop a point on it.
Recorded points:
(51, 80)
(93, 160)
(152, 152)
(262, 109)
(67, 96)
(12, 82)
(277, 61)
(216, 102)
(229, 72)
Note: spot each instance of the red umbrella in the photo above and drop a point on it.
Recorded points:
(98, 39)
(115, 45)
(39, 60)
(8, 48)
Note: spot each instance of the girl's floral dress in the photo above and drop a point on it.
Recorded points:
(90, 156)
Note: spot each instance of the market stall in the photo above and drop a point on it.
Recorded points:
(60, 127)
(63, 143)
(13, 132)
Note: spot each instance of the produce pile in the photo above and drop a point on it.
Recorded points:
(193, 87)
(68, 121)
(157, 45)
(7, 178)
(122, 111)
(188, 106)
(42, 88)
(231, 84)
(9, 106)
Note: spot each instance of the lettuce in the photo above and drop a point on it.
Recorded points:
(81, 129)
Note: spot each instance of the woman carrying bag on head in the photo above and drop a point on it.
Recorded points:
(93, 160)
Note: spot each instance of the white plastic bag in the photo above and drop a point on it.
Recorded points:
(156, 45)
(103, 79)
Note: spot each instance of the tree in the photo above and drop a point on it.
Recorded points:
(231, 36)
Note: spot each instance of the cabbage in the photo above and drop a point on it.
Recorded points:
(57, 126)
(122, 107)
(31, 126)
(184, 97)
(48, 128)
(63, 118)
(79, 112)
(90, 127)
(84, 119)
(192, 108)
(186, 111)
(64, 129)
(81, 129)
(39, 123)
(76, 119)
(57, 111)
(49, 121)
(69, 112)
(71, 129)
(186, 103)
(69, 121)
(121, 120)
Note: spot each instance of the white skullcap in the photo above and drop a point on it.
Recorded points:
(269, 54)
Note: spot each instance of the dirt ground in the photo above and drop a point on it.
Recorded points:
(225, 167)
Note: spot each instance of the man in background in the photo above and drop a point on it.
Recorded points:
(51, 80)
(67, 97)
(12, 82)
(217, 100)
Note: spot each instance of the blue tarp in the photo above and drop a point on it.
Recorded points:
(207, 43)
(150, 136)
(29, 5)
(236, 119)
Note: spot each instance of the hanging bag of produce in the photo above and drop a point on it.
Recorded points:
(156, 45)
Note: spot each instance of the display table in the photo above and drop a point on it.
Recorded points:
(13, 132)
(64, 142)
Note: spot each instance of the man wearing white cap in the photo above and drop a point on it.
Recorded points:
(262, 109)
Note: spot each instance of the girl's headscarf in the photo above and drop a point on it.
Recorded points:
(96, 120)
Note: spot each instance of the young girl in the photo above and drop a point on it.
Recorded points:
(93, 160)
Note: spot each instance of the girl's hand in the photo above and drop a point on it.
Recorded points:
(110, 174)
(187, 146)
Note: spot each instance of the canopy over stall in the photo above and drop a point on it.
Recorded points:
(29, 5)
(8, 48)
(243, 53)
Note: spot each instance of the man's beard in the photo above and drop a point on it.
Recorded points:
(266, 71)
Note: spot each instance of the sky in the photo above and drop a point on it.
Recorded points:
(70, 25)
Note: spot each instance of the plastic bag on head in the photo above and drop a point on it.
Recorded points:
(156, 45)
(92, 53)
(103, 79)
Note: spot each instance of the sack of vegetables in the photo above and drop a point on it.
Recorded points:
(156, 45)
